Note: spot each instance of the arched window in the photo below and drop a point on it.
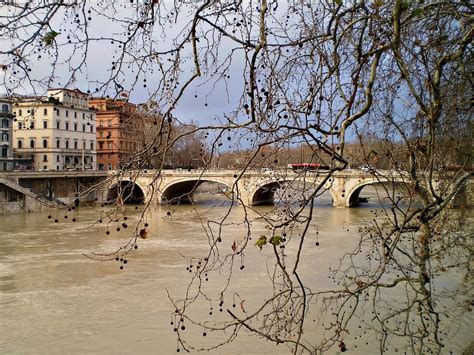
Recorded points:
(20, 144)
(32, 144)
(45, 143)
(58, 144)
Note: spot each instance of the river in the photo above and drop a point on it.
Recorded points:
(55, 300)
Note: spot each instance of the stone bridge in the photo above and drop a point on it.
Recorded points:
(250, 188)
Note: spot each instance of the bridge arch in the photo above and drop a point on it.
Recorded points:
(181, 190)
(263, 193)
(130, 191)
(352, 195)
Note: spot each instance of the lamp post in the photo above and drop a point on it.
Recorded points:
(301, 153)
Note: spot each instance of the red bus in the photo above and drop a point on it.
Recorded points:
(307, 166)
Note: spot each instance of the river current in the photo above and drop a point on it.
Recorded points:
(56, 300)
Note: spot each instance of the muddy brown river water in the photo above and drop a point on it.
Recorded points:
(54, 300)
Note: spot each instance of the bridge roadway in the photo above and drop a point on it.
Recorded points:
(250, 188)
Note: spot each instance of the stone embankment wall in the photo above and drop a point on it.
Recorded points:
(465, 197)
(15, 201)
(63, 190)
(33, 194)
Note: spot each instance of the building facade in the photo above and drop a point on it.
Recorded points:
(120, 132)
(57, 131)
(6, 135)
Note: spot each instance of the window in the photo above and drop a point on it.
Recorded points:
(84, 145)
(20, 113)
(67, 125)
(67, 144)
(75, 144)
(57, 158)
(5, 108)
(83, 128)
(57, 167)
(5, 137)
(58, 144)
(75, 126)
(32, 144)
(57, 112)
(20, 144)
(83, 116)
(4, 152)
(45, 124)
(45, 111)
(67, 113)
(75, 114)
(45, 143)
(32, 124)
(45, 167)
(20, 125)
(92, 129)
(5, 123)
(45, 157)
(101, 145)
(57, 125)
(92, 145)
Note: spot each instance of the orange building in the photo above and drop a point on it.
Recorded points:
(120, 132)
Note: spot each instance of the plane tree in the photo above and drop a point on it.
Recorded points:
(309, 74)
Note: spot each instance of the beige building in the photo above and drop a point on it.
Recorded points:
(57, 131)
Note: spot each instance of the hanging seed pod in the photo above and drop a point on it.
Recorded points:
(144, 234)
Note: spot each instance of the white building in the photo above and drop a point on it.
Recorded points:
(57, 131)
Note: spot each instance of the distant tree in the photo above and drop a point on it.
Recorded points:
(314, 75)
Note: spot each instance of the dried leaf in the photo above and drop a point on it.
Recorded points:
(242, 306)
